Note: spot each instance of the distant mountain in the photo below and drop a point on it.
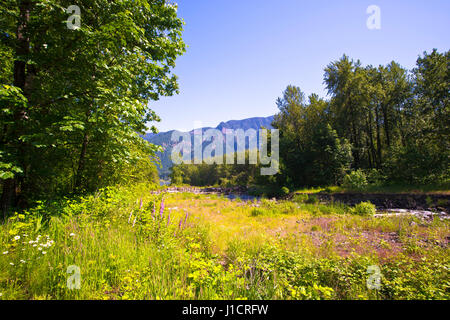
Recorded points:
(164, 138)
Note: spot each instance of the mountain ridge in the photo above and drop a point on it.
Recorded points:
(163, 139)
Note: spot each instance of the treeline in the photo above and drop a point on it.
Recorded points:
(74, 102)
(386, 121)
(225, 175)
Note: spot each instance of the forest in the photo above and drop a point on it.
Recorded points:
(74, 103)
(384, 124)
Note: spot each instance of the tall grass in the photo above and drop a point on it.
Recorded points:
(130, 244)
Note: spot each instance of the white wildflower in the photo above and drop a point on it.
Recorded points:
(5, 252)
(72, 234)
(22, 261)
(16, 238)
(44, 252)
(11, 263)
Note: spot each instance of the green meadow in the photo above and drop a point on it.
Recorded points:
(131, 244)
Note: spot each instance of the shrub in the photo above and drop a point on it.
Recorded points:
(364, 209)
(328, 190)
(312, 199)
(375, 177)
(356, 180)
(300, 198)
(284, 191)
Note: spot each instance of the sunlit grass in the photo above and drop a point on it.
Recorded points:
(443, 188)
(212, 247)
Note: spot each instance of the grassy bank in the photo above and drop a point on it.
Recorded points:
(208, 247)
(393, 188)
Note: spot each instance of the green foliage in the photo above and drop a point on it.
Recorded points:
(310, 150)
(224, 175)
(356, 180)
(377, 119)
(300, 198)
(74, 103)
(382, 122)
(417, 164)
(128, 248)
(364, 209)
(312, 199)
(285, 191)
(375, 177)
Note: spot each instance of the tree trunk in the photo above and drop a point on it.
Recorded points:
(378, 137)
(9, 195)
(81, 161)
(386, 126)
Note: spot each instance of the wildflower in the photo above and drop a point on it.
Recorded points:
(31, 242)
(11, 263)
(22, 261)
(72, 234)
(185, 219)
(39, 248)
(44, 252)
(16, 238)
(5, 252)
(161, 210)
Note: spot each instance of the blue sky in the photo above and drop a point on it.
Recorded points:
(242, 54)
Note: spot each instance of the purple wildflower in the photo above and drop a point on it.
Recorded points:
(185, 219)
(154, 210)
(161, 210)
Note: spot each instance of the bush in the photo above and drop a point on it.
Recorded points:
(328, 190)
(364, 209)
(284, 191)
(300, 198)
(312, 199)
(375, 177)
(356, 180)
